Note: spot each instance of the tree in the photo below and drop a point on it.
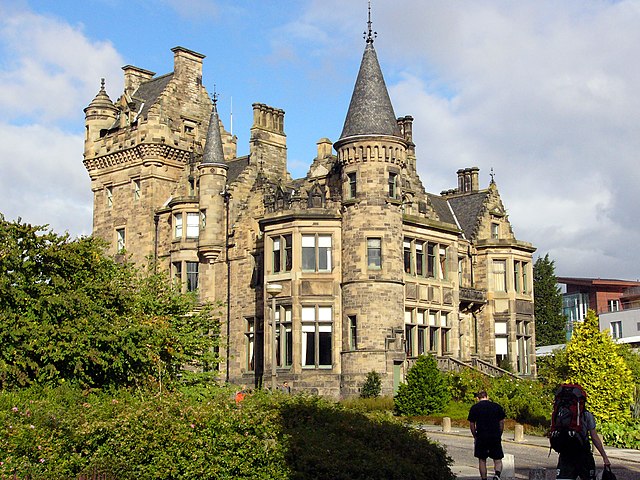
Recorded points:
(69, 313)
(426, 390)
(550, 322)
(372, 385)
(594, 361)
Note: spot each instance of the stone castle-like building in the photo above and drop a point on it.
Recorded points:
(365, 268)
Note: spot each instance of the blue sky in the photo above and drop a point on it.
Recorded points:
(544, 92)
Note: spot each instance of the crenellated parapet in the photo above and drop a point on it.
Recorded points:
(143, 153)
(391, 150)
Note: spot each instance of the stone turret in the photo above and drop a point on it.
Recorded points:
(100, 114)
(372, 152)
(213, 180)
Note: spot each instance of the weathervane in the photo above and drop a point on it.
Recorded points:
(214, 98)
(493, 180)
(369, 34)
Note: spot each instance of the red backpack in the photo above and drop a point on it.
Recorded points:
(567, 432)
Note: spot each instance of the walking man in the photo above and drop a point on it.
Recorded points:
(486, 422)
(572, 425)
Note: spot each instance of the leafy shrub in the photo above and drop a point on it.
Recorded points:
(327, 441)
(426, 390)
(64, 432)
(463, 385)
(525, 401)
(595, 363)
(375, 404)
(620, 435)
(70, 313)
(372, 385)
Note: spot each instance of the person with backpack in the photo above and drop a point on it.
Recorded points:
(572, 425)
(486, 422)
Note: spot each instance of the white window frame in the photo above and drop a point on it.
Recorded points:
(193, 225)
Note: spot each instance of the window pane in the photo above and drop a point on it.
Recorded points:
(324, 257)
(353, 332)
(177, 224)
(308, 252)
(419, 259)
(374, 253)
(276, 255)
(431, 260)
(499, 276)
(308, 347)
(288, 347)
(288, 259)
(192, 276)
(324, 314)
(407, 256)
(193, 225)
(308, 314)
(324, 346)
(501, 346)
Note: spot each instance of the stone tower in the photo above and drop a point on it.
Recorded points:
(212, 195)
(372, 154)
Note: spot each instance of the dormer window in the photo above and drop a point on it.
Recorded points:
(495, 231)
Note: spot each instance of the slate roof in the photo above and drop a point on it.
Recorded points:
(213, 152)
(148, 93)
(441, 208)
(467, 209)
(236, 166)
(370, 111)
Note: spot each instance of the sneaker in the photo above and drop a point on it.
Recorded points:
(495, 477)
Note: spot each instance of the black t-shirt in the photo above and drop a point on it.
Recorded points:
(486, 415)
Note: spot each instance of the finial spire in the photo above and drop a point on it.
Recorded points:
(214, 99)
(492, 174)
(370, 34)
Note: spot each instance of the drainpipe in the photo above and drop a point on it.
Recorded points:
(227, 201)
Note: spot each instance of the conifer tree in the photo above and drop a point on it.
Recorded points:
(426, 390)
(550, 322)
(595, 362)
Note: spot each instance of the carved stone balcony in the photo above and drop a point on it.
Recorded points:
(471, 299)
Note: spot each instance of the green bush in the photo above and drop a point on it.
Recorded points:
(620, 435)
(372, 385)
(64, 432)
(525, 401)
(463, 385)
(376, 404)
(426, 390)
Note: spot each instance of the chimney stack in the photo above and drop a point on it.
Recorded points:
(187, 65)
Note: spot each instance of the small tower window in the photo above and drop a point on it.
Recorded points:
(393, 185)
(136, 190)
(109, 196)
(352, 184)
(120, 240)
(374, 253)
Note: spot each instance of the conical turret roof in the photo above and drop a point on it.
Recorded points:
(370, 111)
(213, 152)
(101, 99)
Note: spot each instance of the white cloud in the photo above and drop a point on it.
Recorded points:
(543, 92)
(49, 71)
(43, 180)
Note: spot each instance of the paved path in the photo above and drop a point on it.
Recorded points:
(533, 452)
